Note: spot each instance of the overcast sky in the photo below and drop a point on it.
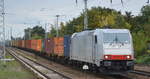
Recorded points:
(33, 12)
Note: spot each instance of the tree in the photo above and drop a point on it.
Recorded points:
(53, 32)
(37, 32)
(140, 43)
(121, 23)
(98, 18)
(146, 18)
(146, 13)
(62, 30)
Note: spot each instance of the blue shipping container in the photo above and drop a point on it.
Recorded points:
(67, 46)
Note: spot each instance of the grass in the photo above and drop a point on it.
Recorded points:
(14, 70)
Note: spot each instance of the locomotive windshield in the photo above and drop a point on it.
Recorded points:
(116, 38)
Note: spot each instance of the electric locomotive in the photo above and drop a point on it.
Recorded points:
(103, 49)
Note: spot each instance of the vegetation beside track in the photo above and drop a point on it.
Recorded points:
(144, 59)
(14, 70)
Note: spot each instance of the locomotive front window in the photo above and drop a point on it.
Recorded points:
(116, 38)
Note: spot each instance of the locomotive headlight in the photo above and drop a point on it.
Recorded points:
(106, 57)
(128, 57)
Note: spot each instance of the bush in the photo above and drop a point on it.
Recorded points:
(140, 43)
(145, 59)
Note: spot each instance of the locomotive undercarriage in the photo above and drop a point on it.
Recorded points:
(116, 66)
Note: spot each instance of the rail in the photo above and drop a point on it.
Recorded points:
(140, 72)
(26, 60)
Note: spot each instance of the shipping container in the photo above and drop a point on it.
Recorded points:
(20, 43)
(28, 44)
(49, 46)
(16, 43)
(33, 44)
(12, 43)
(59, 46)
(23, 43)
(38, 45)
(67, 42)
(43, 45)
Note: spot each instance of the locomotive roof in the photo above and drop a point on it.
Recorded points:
(115, 30)
(101, 30)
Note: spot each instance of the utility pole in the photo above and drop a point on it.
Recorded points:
(30, 34)
(147, 2)
(85, 15)
(10, 33)
(57, 24)
(46, 30)
(2, 23)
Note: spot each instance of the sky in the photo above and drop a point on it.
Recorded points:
(21, 14)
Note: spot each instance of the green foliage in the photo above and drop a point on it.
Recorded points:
(144, 59)
(140, 43)
(121, 23)
(97, 18)
(36, 37)
(36, 32)
(52, 32)
(62, 31)
(147, 28)
(146, 13)
(142, 22)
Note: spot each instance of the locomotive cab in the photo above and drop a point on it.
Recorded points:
(117, 50)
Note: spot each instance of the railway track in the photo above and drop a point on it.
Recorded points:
(120, 76)
(143, 73)
(41, 70)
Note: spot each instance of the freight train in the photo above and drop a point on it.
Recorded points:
(103, 50)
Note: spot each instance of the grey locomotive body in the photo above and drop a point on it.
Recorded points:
(103, 49)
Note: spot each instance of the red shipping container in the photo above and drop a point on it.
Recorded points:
(59, 46)
(49, 46)
(58, 41)
(28, 44)
(23, 43)
(19, 43)
(39, 45)
(59, 50)
(26, 41)
(36, 45)
(33, 44)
